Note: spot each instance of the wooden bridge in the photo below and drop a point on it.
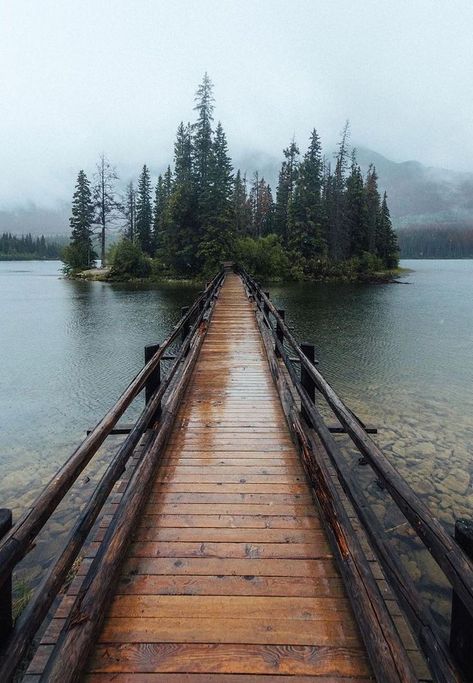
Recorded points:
(228, 539)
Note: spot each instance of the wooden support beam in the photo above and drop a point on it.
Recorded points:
(6, 616)
(279, 329)
(387, 654)
(152, 385)
(185, 327)
(306, 379)
(461, 629)
(87, 613)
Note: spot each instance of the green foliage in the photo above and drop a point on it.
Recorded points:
(324, 223)
(264, 257)
(128, 261)
(80, 254)
(144, 213)
(76, 257)
(26, 247)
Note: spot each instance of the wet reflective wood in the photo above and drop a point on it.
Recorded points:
(229, 576)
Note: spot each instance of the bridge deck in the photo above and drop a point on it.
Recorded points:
(230, 576)
(230, 570)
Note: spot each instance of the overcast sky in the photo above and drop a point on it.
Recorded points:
(81, 77)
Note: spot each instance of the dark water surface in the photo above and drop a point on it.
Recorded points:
(400, 355)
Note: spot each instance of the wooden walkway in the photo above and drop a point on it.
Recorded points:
(230, 571)
(229, 576)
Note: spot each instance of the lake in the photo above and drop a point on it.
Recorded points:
(400, 355)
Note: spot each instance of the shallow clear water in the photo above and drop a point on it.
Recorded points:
(401, 355)
(67, 349)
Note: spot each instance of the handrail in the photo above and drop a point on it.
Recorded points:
(88, 610)
(454, 563)
(17, 543)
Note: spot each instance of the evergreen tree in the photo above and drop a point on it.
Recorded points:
(387, 246)
(241, 206)
(183, 227)
(80, 253)
(144, 214)
(129, 212)
(261, 202)
(356, 211)
(202, 133)
(306, 237)
(339, 239)
(284, 192)
(161, 198)
(106, 203)
(216, 205)
(373, 207)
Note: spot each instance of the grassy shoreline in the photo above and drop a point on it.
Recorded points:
(104, 275)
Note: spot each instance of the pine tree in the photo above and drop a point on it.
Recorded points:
(144, 214)
(161, 198)
(306, 215)
(373, 207)
(356, 211)
(241, 206)
(80, 253)
(183, 227)
(202, 133)
(339, 240)
(261, 202)
(106, 203)
(284, 192)
(387, 245)
(216, 205)
(129, 212)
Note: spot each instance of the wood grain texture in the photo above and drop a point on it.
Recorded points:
(229, 576)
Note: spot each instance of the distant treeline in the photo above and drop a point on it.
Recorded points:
(453, 240)
(325, 218)
(24, 247)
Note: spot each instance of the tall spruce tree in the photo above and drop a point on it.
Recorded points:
(202, 145)
(183, 229)
(106, 202)
(241, 206)
(216, 205)
(80, 253)
(373, 206)
(129, 212)
(261, 201)
(306, 236)
(144, 213)
(161, 199)
(339, 240)
(386, 242)
(356, 211)
(284, 191)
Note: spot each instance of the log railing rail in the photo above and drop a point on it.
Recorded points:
(453, 561)
(18, 542)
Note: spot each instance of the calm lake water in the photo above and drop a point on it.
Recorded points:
(401, 356)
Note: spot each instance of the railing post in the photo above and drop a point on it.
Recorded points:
(279, 330)
(306, 380)
(186, 326)
(6, 614)
(155, 378)
(266, 307)
(461, 626)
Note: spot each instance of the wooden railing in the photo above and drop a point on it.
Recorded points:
(163, 394)
(312, 432)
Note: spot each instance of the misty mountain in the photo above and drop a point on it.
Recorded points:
(36, 220)
(417, 194)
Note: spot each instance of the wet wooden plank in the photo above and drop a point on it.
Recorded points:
(229, 577)
(232, 658)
